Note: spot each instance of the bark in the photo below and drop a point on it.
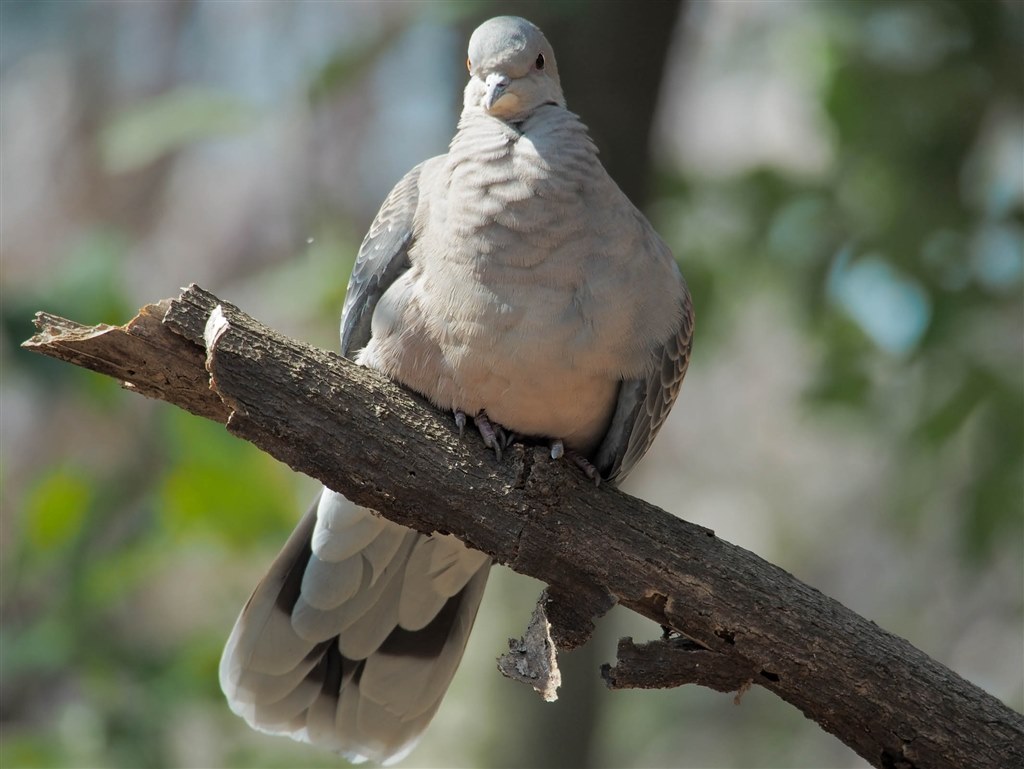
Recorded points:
(745, 621)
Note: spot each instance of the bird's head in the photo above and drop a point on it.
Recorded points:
(512, 69)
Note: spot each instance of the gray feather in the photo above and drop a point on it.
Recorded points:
(643, 404)
(383, 256)
(319, 652)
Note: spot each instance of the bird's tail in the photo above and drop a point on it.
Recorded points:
(352, 638)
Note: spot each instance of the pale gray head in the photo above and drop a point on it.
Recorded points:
(512, 69)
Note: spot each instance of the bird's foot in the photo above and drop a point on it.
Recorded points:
(496, 437)
(585, 465)
(558, 450)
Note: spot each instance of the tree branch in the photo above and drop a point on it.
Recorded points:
(383, 447)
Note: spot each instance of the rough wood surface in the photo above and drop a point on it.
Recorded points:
(533, 659)
(385, 448)
(674, 662)
(141, 355)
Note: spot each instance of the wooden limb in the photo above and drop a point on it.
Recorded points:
(142, 355)
(387, 449)
(675, 662)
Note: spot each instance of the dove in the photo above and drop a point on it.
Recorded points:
(511, 282)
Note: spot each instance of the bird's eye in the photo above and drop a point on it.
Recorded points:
(469, 65)
(540, 61)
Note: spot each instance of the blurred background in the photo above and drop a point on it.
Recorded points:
(842, 183)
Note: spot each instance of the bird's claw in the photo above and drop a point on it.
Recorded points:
(558, 450)
(494, 435)
(585, 465)
(497, 439)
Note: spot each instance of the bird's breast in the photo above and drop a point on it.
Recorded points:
(513, 302)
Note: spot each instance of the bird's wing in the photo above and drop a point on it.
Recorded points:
(382, 257)
(643, 404)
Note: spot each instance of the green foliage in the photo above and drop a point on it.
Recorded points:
(222, 488)
(145, 132)
(906, 261)
(91, 548)
(349, 63)
(55, 509)
(86, 286)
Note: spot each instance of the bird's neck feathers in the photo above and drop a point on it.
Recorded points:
(552, 132)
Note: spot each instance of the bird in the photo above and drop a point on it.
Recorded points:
(511, 282)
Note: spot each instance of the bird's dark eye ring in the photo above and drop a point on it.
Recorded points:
(540, 61)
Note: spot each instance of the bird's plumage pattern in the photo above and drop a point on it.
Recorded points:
(328, 652)
(510, 276)
(382, 256)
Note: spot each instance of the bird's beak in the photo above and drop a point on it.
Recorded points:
(496, 85)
